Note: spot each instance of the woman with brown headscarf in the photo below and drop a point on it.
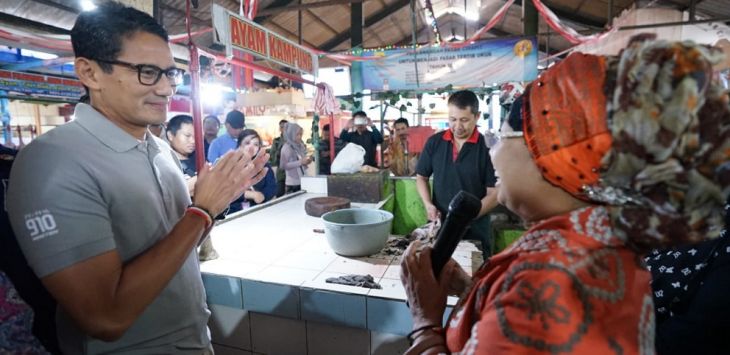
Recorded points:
(604, 158)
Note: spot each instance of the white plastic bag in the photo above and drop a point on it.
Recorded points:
(348, 160)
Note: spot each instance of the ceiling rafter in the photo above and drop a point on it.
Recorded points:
(369, 21)
(7, 19)
(320, 21)
(292, 36)
(572, 15)
(397, 25)
(181, 16)
(310, 5)
(276, 3)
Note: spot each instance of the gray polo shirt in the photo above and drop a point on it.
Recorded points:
(88, 187)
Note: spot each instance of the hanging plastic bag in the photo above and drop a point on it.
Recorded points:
(348, 160)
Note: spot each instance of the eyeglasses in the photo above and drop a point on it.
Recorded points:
(149, 74)
(491, 138)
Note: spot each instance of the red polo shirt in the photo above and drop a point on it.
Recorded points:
(449, 137)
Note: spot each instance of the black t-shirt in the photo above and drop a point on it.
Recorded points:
(188, 165)
(368, 140)
(472, 171)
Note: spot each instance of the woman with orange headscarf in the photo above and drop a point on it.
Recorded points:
(604, 158)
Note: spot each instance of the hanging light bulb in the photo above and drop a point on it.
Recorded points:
(87, 5)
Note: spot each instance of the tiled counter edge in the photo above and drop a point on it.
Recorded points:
(246, 314)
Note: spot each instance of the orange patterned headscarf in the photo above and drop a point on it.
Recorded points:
(646, 133)
(565, 122)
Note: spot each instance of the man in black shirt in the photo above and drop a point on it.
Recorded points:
(357, 132)
(458, 159)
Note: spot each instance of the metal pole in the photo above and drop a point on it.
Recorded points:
(529, 19)
(610, 13)
(464, 18)
(332, 140)
(382, 132)
(195, 94)
(414, 35)
(299, 24)
(356, 28)
(692, 5)
(157, 11)
(547, 46)
(420, 106)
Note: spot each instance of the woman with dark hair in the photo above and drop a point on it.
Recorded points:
(262, 192)
(602, 171)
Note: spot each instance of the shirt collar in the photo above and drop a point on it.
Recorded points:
(474, 138)
(105, 130)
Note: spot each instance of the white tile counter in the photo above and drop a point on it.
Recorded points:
(273, 263)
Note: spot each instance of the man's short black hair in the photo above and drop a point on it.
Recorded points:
(326, 127)
(401, 120)
(98, 34)
(176, 122)
(236, 119)
(282, 122)
(465, 99)
(212, 118)
(360, 114)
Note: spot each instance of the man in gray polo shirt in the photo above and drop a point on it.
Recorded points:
(100, 207)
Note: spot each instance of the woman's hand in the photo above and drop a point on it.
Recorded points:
(426, 295)
(256, 196)
(191, 184)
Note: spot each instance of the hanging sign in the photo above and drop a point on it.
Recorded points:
(479, 64)
(239, 33)
(40, 85)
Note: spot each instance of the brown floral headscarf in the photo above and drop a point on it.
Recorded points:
(646, 133)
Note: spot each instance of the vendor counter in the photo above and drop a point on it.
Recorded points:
(268, 294)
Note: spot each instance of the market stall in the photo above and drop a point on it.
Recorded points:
(279, 271)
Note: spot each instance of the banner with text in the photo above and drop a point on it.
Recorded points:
(476, 65)
(243, 34)
(41, 86)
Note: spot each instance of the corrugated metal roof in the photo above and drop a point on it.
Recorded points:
(330, 25)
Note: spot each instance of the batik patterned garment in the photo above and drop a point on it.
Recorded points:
(16, 321)
(569, 285)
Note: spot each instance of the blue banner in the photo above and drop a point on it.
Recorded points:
(41, 89)
(479, 64)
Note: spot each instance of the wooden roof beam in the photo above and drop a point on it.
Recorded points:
(275, 4)
(181, 16)
(57, 6)
(369, 21)
(571, 15)
(311, 5)
(7, 19)
(321, 22)
(292, 36)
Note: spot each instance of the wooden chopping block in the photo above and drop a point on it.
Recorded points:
(318, 206)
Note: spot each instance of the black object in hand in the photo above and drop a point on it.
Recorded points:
(463, 208)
